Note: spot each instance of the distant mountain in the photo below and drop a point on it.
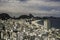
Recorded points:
(23, 16)
(4, 16)
(26, 16)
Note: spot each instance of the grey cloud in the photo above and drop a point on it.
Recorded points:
(46, 8)
(55, 0)
(30, 6)
(51, 0)
(22, 0)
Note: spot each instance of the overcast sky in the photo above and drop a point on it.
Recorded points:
(36, 7)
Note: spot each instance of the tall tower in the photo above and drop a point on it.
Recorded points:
(47, 24)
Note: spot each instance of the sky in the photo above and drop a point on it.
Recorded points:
(35, 7)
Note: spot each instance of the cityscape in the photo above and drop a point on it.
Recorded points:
(32, 28)
(29, 19)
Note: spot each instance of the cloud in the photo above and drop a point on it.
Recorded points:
(43, 7)
(23, 0)
(52, 0)
(55, 0)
